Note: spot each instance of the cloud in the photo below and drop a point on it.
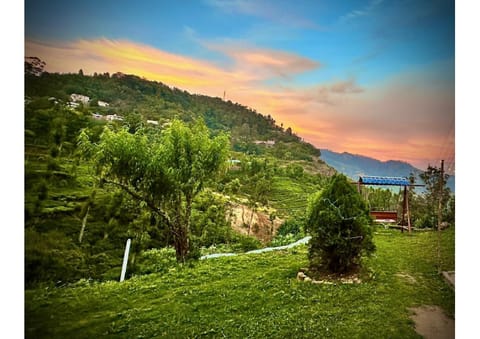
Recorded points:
(348, 86)
(271, 11)
(356, 13)
(103, 55)
(265, 63)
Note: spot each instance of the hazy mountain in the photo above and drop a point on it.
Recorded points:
(353, 166)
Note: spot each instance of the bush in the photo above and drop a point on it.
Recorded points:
(244, 243)
(339, 222)
(157, 260)
(281, 240)
(52, 257)
(291, 226)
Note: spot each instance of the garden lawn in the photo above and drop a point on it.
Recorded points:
(255, 296)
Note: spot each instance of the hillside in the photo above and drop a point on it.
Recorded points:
(70, 217)
(354, 165)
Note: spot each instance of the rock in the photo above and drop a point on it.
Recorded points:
(307, 279)
(301, 276)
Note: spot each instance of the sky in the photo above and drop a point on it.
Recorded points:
(374, 77)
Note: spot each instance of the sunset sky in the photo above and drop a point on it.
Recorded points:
(375, 77)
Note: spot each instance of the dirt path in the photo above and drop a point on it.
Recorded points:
(432, 322)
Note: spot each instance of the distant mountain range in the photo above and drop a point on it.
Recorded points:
(353, 166)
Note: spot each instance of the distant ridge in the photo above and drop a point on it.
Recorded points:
(354, 165)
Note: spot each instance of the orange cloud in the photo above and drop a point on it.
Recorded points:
(123, 56)
(264, 62)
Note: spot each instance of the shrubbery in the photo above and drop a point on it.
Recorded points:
(339, 222)
(156, 261)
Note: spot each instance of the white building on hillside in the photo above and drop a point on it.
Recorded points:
(79, 97)
(112, 117)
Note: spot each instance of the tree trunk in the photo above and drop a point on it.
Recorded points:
(181, 225)
(181, 243)
(251, 219)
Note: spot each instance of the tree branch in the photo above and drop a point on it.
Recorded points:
(149, 203)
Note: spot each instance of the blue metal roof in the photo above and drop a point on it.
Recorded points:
(370, 180)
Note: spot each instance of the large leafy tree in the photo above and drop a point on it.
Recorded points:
(436, 189)
(163, 171)
(339, 222)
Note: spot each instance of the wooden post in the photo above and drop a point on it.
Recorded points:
(439, 257)
(125, 259)
(440, 197)
(408, 212)
(404, 206)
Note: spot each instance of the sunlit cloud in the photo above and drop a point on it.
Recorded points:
(264, 63)
(409, 117)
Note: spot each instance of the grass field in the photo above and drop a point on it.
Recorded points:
(255, 296)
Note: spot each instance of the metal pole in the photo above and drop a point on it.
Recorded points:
(125, 260)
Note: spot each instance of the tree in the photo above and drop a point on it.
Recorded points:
(436, 189)
(34, 66)
(164, 172)
(339, 222)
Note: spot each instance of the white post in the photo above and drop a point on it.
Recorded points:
(125, 259)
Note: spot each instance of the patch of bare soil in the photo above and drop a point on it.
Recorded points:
(256, 223)
(325, 277)
(432, 322)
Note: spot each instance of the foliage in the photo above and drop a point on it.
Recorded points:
(254, 296)
(424, 205)
(339, 222)
(291, 226)
(380, 199)
(59, 184)
(244, 243)
(51, 256)
(436, 189)
(163, 172)
(209, 223)
(287, 239)
(156, 261)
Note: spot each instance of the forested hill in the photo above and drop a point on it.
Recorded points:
(354, 165)
(76, 223)
(138, 100)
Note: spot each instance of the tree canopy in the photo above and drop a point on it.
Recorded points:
(164, 171)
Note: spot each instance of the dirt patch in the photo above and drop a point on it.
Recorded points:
(325, 277)
(432, 322)
(261, 227)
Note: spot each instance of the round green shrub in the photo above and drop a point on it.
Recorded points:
(340, 225)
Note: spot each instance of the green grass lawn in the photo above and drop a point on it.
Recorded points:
(255, 296)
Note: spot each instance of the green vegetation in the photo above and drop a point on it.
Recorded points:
(340, 224)
(254, 296)
(425, 207)
(163, 172)
(154, 173)
(76, 225)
